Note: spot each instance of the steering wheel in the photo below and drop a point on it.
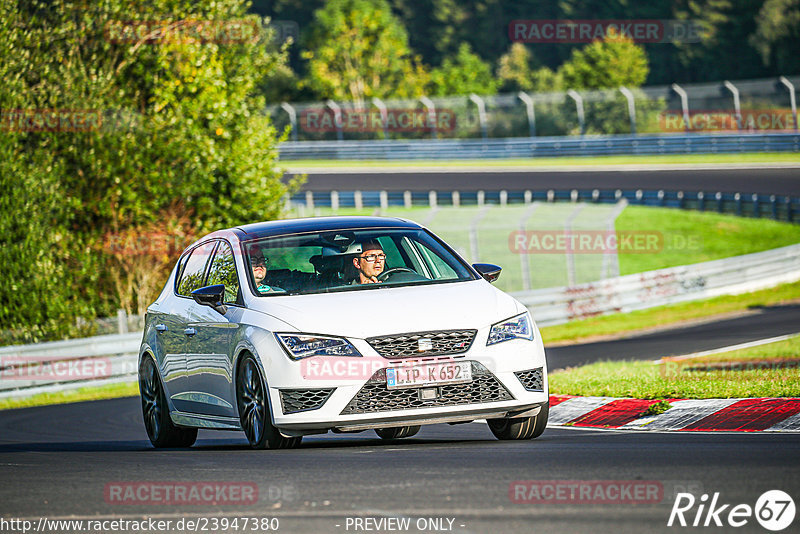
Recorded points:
(388, 272)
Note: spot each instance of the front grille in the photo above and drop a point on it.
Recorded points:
(301, 400)
(531, 379)
(376, 397)
(440, 341)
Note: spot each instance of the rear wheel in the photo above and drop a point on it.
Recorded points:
(397, 432)
(520, 428)
(155, 412)
(254, 416)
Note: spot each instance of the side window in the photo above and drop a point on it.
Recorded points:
(192, 277)
(223, 271)
(441, 271)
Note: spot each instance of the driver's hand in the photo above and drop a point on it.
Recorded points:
(373, 280)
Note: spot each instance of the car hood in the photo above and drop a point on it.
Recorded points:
(393, 310)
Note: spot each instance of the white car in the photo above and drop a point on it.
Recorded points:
(296, 327)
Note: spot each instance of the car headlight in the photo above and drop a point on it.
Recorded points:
(300, 346)
(518, 327)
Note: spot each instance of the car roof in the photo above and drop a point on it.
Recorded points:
(313, 224)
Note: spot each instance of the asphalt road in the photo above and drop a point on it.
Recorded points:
(777, 181)
(57, 461)
(759, 323)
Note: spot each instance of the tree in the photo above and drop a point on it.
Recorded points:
(777, 37)
(173, 129)
(357, 49)
(613, 62)
(464, 74)
(517, 71)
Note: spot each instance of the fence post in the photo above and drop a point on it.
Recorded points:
(407, 199)
(660, 197)
(503, 197)
(384, 115)
(432, 199)
(456, 198)
(359, 200)
(285, 106)
(756, 207)
(684, 104)
(792, 101)
(719, 201)
(122, 321)
(481, 198)
(529, 110)
(773, 201)
(701, 201)
(680, 199)
(631, 107)
(310, 200)
(737, 108)
(337, 118)
(384, 196)
(481, 114)
(431, 107)
(335, 200)
(738, 198)
(528, 196)
(579, 108)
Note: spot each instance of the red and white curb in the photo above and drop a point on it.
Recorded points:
(729, 415)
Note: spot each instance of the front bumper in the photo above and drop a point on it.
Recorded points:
(502, 386)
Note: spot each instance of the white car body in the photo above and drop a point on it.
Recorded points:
(198, 371)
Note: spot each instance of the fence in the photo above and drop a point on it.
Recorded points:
(752, 106)
(113, 358)
(742, 204)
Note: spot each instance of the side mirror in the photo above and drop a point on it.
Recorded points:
(487, 270)
(213, 296)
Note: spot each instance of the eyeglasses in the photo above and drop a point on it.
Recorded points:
(372, 257)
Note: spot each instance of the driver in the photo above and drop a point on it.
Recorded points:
(369, 263)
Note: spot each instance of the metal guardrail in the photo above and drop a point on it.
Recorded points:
(60, 365)
(632, 292)
(531, 147)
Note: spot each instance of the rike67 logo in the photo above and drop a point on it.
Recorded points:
(774, 510)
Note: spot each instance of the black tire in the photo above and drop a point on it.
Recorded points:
(254, 414)
(520, 428)
(155, 412)
(397, 432)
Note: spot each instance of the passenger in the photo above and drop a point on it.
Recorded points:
(369, 263)
(259, 265)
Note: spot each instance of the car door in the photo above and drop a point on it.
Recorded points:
(174, 328)
(209, 358)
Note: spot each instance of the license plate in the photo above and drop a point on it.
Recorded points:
(430, 374)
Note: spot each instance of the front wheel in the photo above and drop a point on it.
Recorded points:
(254, 416)
(160, 430)
(397, 432)
(521, 428)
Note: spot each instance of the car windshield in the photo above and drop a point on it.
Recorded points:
(350, 260)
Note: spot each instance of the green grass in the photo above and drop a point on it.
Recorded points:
(674, 380)
(111, 391)
(759, 157)
(619, 323)
(694, 236)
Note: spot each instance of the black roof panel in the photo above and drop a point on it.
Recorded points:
(314, 224)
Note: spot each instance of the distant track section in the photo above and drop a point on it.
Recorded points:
(766, 180)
